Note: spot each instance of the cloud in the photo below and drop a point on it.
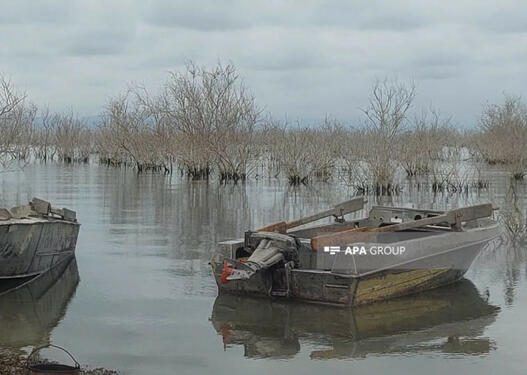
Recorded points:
(209, 16)
(35, 12)
(300, 59)
(98, 42)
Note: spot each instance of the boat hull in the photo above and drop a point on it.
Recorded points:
(31, 247)
(326, 287)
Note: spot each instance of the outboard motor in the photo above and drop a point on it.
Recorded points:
(270, 248)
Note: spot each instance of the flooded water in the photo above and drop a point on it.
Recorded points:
(141, 298)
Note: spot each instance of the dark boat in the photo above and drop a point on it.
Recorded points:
(35, 238)
(391, 252)
(449, 320)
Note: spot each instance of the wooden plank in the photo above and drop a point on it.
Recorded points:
(340, 209)
(453, 217)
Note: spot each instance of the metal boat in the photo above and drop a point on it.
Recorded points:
(392, 252)
(35, 238)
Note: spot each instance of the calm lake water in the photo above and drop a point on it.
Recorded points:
(142, 299)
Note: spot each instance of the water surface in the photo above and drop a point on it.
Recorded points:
(144, 300)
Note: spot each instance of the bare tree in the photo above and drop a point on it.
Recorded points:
(163, 131)
(72, 138)
(9, 98)
(421, 145)
(503, 135)
(23, 119)
(9, 101)
(217, 117)
(385, 115)
(128, 133)
(354, 146)
(45, 147)
(305, 153)
(16, 123)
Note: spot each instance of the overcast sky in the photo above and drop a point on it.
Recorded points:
(301, 59)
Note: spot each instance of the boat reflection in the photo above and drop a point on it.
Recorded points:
(449, 320)
(29, 313)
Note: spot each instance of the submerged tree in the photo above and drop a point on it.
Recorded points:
(421, 145)
(16, 123)
(217, 118)
(72, 138)
(127, 135)
(385, 115)
(304, 153)
(45, 146)
(503, 135)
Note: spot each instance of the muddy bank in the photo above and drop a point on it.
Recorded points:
(14, 363)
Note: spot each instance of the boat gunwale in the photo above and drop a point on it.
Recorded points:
(36, 220)
(492, 226)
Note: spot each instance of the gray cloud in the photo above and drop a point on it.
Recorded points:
(210, 16)
(301, 59)
(98, 42)
(33, 12)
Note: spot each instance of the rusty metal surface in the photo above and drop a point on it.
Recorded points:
(33, 241)
(27, 249)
